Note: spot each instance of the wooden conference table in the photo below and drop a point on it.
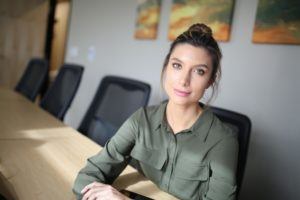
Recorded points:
(40, 156)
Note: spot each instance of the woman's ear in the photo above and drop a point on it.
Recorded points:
(209, 83)
(163, 78)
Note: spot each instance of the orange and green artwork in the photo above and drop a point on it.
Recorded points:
(278, 22)
(147, 19)
(217, 14)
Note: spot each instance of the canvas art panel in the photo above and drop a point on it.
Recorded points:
(215, 13)
(278, 22)
(148, 15)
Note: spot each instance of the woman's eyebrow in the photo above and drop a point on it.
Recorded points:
(176, 59)
(202, 65)
(197, 65)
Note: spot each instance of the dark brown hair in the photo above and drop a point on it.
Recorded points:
(200, 35)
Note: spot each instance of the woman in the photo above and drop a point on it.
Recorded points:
(180, 145)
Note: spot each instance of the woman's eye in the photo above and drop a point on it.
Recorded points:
(176, 66)
(200, 71)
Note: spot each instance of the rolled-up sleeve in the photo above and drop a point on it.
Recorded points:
(106, 166)
(223, 164)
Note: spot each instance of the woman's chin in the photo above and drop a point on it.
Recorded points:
(180, 100)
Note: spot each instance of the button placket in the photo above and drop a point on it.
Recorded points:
(165, 177)
(173, 146)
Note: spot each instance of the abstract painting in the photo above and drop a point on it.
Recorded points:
(217, 14)
(148, 15)
(277, 21)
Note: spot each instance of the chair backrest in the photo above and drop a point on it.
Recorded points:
(2, 197)
(242, 124)
(60, 94)
(115, 100)
(33, 78)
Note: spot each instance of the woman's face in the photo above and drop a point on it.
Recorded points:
(187, 74)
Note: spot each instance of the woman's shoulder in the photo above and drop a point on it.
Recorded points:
(220, 130)
(149, 112)
(154, 109)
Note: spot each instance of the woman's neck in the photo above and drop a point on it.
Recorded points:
(181, 117)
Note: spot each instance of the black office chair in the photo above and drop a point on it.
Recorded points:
(33, 78)
(60, 95)
(2, 197)
(115, 100)
(242, 124)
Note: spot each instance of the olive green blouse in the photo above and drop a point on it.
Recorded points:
(197, 163)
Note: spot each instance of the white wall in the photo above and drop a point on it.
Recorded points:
(258, 80)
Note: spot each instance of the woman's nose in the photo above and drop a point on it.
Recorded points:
(185, 79)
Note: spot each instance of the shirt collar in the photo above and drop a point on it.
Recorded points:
(160, 120)
(200, 128)
(203, 124)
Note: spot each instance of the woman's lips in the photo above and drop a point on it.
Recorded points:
(181, 93)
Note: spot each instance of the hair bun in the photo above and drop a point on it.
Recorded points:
(201, 28)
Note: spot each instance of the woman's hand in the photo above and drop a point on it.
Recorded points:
(100, 191)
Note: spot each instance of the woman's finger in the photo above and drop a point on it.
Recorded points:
(89, 186)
